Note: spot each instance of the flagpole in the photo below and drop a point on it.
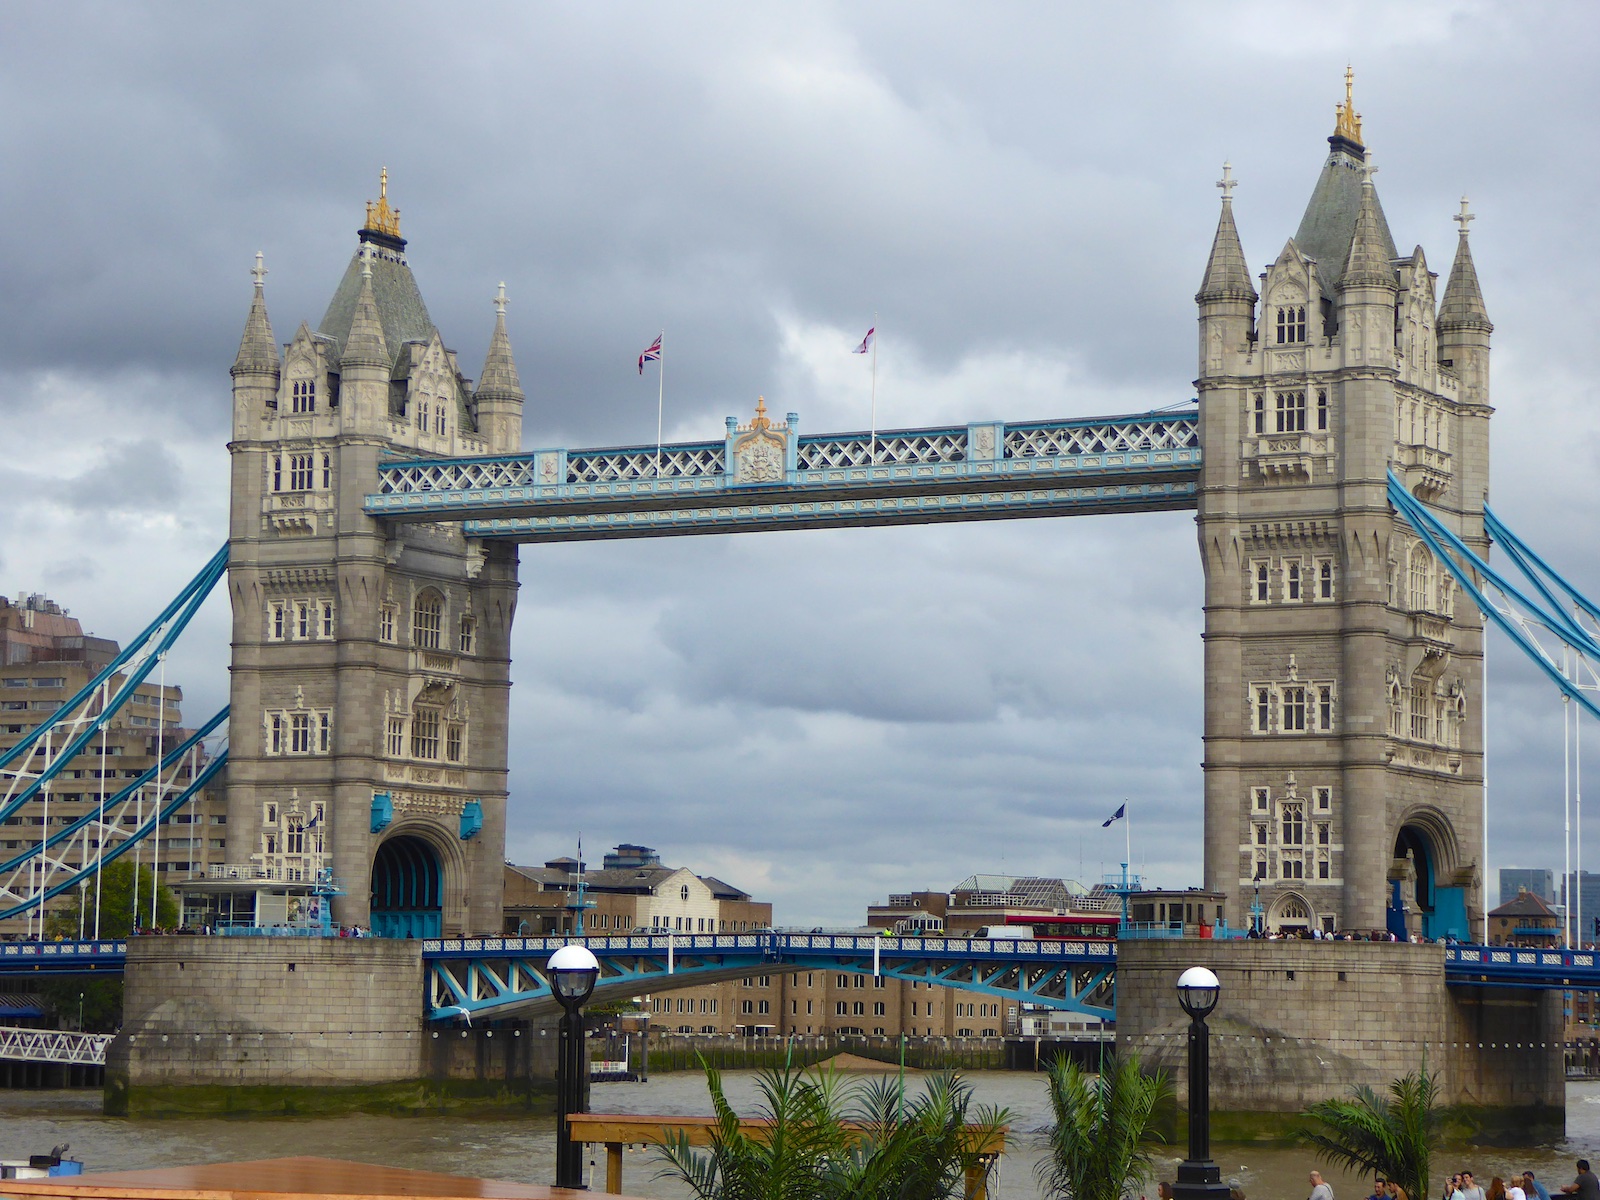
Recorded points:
(873, 453)
(661, 392)
(1127, 831)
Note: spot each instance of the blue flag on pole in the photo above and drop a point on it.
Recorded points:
(1122, 811)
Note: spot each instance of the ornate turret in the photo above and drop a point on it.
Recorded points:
(1346, 120)
(1370, 261)
(1227, 273)
(365, 344)
(499, 395)
(1462, 307)
(258, 349)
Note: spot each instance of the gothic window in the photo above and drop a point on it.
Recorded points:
(1294, 823)
(469, 635)
(1397, 716)
(426, 618)
(1291, 324)
(1294, 709)
(277, 472)
(1290, 411)
(1421, 704)
(272, 814)
(302, 613)
(1261, 834)
(324, 732)
(327, 618)
(1294, 866)
(1322, 410)
(1291, 579)
(1322, 866)
(1440, 723)
(396, 737)
(1461, 720)
(1263, 709)
(438, 418)
(303, 396)
(279, 623)
(1261, 867)
(1324, 796)
(422, 414)
(295, 841)
(452, 742)
(1260, 412)
(1259, 799)
(386, 623)
(1325, 579)
(1447, 594)
(300, 733)
(1325, 708)
(300, 472)
(1420, 577)
(327, 471)
(1260, 589)
(425, 733)
(275, 734)
(1388, 578)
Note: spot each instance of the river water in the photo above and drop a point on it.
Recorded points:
(522, 1147)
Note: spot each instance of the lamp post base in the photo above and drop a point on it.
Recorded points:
(1199, 1181)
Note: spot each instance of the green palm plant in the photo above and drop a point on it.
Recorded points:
(1099, 1141)
(825, 1139)
(1370, 1133)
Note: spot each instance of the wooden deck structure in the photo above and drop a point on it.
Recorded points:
(616, 1131)
(305, 1178)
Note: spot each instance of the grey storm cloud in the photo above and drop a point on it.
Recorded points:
(1023, 197)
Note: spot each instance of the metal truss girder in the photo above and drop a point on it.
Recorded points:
(782, 514)
(62, 958)
(1516, 966)
(500, 976)
(54, 1045)
(1097, 465)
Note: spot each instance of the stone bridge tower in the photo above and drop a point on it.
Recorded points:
(1344, 683)
(370, 664)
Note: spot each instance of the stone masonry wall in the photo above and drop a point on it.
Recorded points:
(270, 1011)
(1299, 1022)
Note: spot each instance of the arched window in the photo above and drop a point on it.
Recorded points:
(1291, 324)
(425, 733)
(427, 617)
(1397, 714)
(469, 634)
(303, 396)
(1420, 577)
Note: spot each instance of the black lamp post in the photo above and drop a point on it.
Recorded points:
(1198, 1176)
(573, 971)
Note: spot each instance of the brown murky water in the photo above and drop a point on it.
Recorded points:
(522, 1148)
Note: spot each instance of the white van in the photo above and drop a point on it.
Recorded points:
(1013, 933)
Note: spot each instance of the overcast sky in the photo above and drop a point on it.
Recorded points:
(1024, 196)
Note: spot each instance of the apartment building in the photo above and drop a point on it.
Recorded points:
(46, 659)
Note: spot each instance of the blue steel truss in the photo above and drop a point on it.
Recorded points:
(1541, 613)
(492, 977)
(1141, 463)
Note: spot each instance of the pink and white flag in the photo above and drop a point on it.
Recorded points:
(866, 342)
(653, 354)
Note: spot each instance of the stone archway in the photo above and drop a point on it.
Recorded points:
(1425, 896)
(407, 889)
(1291, 913)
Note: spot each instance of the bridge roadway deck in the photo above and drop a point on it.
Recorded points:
(505, 975)
(1141, 463)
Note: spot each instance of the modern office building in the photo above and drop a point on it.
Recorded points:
(1540, 881)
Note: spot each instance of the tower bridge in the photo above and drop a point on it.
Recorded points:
(1336, 455)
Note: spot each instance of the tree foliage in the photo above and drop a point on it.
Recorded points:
(1100, 1139)
(1370, 1133)
(828, 1139)
(119, 883)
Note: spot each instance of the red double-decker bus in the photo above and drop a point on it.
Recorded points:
(1076, 927)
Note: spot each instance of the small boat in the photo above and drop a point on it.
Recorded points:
(41, 1166)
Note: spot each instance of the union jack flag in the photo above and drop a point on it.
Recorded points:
(652, 354)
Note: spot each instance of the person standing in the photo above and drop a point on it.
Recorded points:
(1585, 1186)
(1470, 1190)
(1534, 1189)
(1321, 1191)
(1514, 1188)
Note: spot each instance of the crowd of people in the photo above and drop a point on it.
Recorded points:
(1519, 1185)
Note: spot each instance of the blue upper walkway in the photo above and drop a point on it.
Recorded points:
(769, 476)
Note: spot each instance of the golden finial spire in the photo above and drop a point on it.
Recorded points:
(380, 217)
(761, 421)
(1347, 123)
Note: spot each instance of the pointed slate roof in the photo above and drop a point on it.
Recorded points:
(364, 339)
(1462, 307)
(499, 376)
(398, 301)
(258, 349)
(1227, 274)
(1329, 224)
(1369, 262)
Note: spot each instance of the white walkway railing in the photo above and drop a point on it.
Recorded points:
(54, 1045)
